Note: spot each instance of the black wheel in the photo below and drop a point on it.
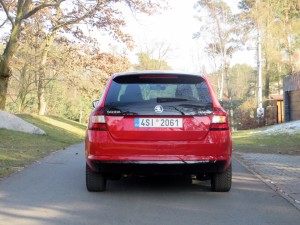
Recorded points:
(221, 182)
(95, 182)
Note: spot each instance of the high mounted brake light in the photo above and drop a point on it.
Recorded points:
(219, 120)
(158, 77)
(97, 120)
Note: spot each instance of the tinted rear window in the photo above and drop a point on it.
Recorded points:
(139, 94)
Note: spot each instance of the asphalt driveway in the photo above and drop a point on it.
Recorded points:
(52, 191)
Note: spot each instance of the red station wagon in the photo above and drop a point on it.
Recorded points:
(153, 123)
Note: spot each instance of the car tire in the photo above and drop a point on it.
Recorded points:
(221, 182)
(95, 182)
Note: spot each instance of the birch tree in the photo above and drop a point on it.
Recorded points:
(218, 26)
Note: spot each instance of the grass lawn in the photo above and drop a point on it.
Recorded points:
(19, 149)
(255, 142)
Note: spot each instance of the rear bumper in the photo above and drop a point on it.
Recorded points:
(106, 155)
(158, 167)
(99, 145)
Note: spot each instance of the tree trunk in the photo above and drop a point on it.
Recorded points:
(5, 70)
(267, 80)
(3, 90)
(81, 112)
(222, 84)
(42, 104)
(41, 94)
(229, 98)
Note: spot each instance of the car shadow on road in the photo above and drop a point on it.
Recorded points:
(158, 183)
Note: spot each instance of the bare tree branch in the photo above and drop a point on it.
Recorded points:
(3, 23)
(7, 13)
(77, 20)
(40, 7)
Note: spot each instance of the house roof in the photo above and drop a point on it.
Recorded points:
(277, 97)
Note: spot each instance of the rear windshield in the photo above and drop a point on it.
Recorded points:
(139, 95)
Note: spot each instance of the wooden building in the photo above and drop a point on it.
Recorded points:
(291, 96)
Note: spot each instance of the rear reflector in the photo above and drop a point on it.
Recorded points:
(98, 126)
(219, 126)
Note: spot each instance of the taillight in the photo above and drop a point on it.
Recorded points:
(219, 120)
(97, 120)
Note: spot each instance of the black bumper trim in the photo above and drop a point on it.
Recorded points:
(159, 167)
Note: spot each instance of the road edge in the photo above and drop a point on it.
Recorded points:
(281, 192)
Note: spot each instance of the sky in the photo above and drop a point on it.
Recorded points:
(176, 27)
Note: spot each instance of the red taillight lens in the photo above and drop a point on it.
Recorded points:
(219, 120)
(97, 120)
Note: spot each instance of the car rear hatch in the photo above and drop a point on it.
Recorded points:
(158, 108)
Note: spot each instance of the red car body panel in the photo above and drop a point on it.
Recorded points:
(122, 128)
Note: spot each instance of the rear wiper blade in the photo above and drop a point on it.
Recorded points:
(197, 105)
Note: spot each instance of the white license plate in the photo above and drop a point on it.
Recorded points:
(158, 122)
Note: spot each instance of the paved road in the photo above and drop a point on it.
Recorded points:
(53, 192)
(280, 172)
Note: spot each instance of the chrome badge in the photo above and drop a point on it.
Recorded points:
(158, 109)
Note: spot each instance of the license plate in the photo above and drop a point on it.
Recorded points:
(158, 122)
